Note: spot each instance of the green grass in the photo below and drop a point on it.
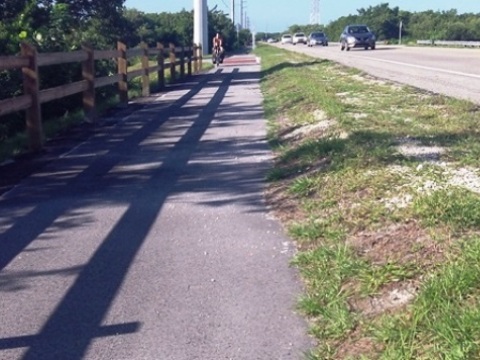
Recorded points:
(444, 320)
(457, 208)
(339, 136)
(326, 269)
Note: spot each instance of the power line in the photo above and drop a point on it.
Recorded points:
(225, 4)
(230, 9)
(243, 14)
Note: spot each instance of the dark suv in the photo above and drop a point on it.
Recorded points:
(357, 36)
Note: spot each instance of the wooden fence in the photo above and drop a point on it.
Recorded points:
(187, 59)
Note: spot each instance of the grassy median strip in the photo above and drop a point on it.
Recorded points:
(379, 184)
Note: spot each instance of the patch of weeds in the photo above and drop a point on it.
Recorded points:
(18, 144)
(327, 268)
(313, 150)
(285, 172)
(466, 151)
(367, 214)
(444, 320)
(13, 146)
(318, 230)
(276, 174)
(372, 278)
(53, 127)
(456, 208)
(361, 197)
(303, 186)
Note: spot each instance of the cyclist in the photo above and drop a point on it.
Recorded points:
(218, 46)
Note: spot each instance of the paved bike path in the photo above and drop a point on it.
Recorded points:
(151, 240)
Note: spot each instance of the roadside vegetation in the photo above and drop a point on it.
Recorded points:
(379, 185)
(384, 21)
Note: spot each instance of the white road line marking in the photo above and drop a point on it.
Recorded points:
(451, 72)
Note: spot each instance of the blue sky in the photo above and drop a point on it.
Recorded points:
(278, 15)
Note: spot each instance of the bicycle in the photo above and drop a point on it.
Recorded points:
(216, 56)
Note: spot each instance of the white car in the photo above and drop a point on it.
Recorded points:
(286, 39)
(299, 38)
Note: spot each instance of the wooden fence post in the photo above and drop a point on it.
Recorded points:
(195, 59)
(182, 63)
(189, 63)
(122, 71)
(88, 74)
(146, 72)
(31, 87)
(200, 57)
(173, 63)
(161, 66)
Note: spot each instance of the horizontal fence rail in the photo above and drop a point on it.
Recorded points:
(187, 59)
(474, 44)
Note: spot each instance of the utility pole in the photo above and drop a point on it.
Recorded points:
(242, 14)
(315, 13)
(200, 19)
(232, 11)
(254, 35)
(400, 32)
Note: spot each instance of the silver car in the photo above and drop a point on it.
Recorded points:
(317, 38)
(354, 36)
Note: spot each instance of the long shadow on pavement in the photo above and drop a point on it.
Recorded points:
(77, 319)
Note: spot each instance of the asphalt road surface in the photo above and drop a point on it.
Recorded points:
(152, 241)
(448, 71)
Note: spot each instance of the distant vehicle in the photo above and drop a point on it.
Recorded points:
(317, 38)
(270, 40)
(299, 38)
(354, 36)
(286, 39)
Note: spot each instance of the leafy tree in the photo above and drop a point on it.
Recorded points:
(382, 19)
(219, 22)
(244, 38)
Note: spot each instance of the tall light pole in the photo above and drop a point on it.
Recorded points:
(242, 14)
(400, 32)
(200, 26)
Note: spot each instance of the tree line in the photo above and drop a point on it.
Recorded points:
(385, 22)
(63, 25)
